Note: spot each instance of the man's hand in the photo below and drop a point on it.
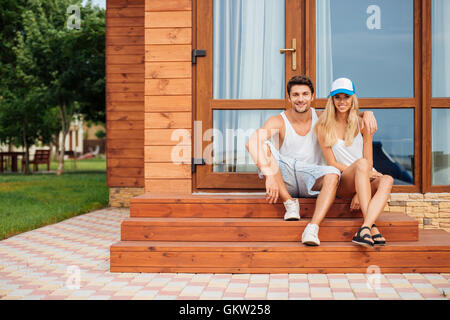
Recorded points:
(369, 122)
(355, 205)
(272, 190)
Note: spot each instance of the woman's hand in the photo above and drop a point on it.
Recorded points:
(374, 174)
(272, 190)
(355, 205)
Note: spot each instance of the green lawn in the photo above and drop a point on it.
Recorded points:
(33, 201)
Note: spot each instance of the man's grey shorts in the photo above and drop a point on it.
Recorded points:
(298, 176)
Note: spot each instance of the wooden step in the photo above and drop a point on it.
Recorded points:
(431, 253)
(395, 227)
(226, 206)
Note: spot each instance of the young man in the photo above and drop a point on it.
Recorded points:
(288, 154)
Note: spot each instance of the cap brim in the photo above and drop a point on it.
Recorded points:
(335, 92)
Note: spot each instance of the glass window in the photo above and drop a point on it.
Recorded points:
(393, 144)
(232, 129)
(441, 48)
(441, 147)
(368, 41)
(248, 36)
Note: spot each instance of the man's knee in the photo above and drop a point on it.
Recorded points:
(331, 179)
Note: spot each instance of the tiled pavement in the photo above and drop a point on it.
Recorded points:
(70, 260)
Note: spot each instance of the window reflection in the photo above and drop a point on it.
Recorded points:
(370, 42)
(393, 144)
(441, 147)
(441, 48)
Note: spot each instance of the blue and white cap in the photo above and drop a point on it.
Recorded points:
(342, 85)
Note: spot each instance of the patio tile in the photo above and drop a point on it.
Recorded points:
(299, 295)
(192, 291)
(145, 294)
(344, 295)
(36, 264)
(410, 295)
(277, 295)
(206, 294)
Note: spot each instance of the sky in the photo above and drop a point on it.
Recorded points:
(100, 3)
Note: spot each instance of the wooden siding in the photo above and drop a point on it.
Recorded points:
(125, 69)
(168, 96)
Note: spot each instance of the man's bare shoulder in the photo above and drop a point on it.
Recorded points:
(274, 122)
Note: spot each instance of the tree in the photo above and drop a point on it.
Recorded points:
(21, 119)
(67, 63)
(10, 23)
(21, 96)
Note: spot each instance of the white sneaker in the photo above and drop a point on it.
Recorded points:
(310, 235)
(292, 210)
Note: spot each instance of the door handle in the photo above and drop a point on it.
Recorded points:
(293, 50)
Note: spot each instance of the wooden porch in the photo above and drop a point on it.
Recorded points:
(244, 234)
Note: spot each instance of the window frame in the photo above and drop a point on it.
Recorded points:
(414, 103)
(429, 102)
(422, 103)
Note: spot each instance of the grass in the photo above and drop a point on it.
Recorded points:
(32, 201)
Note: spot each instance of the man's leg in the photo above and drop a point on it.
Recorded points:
(283, 193)
(327, 185)
(276, 188)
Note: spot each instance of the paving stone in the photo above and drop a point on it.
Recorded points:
(35, 266)
(344, 296)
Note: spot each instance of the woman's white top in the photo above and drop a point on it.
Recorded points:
(348, 155)
(302, 148)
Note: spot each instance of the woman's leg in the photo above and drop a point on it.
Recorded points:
(381, 190)
(355, 178)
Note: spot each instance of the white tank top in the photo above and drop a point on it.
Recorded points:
(348, 155)
(303, 148)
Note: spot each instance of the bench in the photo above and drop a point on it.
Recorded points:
(41, 156)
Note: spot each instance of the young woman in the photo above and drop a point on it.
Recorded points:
(347, 145)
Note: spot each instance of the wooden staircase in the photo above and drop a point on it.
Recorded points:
(245, 234)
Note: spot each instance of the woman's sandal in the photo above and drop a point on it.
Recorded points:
(362, 240)
(379, 235)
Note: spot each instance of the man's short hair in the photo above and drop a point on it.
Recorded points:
(300, 80)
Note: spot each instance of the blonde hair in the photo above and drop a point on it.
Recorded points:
(327, 123)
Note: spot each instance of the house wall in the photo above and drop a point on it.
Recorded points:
(431, 210)
(168, 94)
(125, 93)
(150, 111)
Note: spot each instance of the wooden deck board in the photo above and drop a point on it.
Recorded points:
(430, 254)
(394, 227)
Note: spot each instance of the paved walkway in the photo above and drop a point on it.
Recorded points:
(70, 260)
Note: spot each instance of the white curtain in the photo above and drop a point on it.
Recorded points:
(441, 89)
(324, 48)
(235, 128)
(248, 36)
(441, 48)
